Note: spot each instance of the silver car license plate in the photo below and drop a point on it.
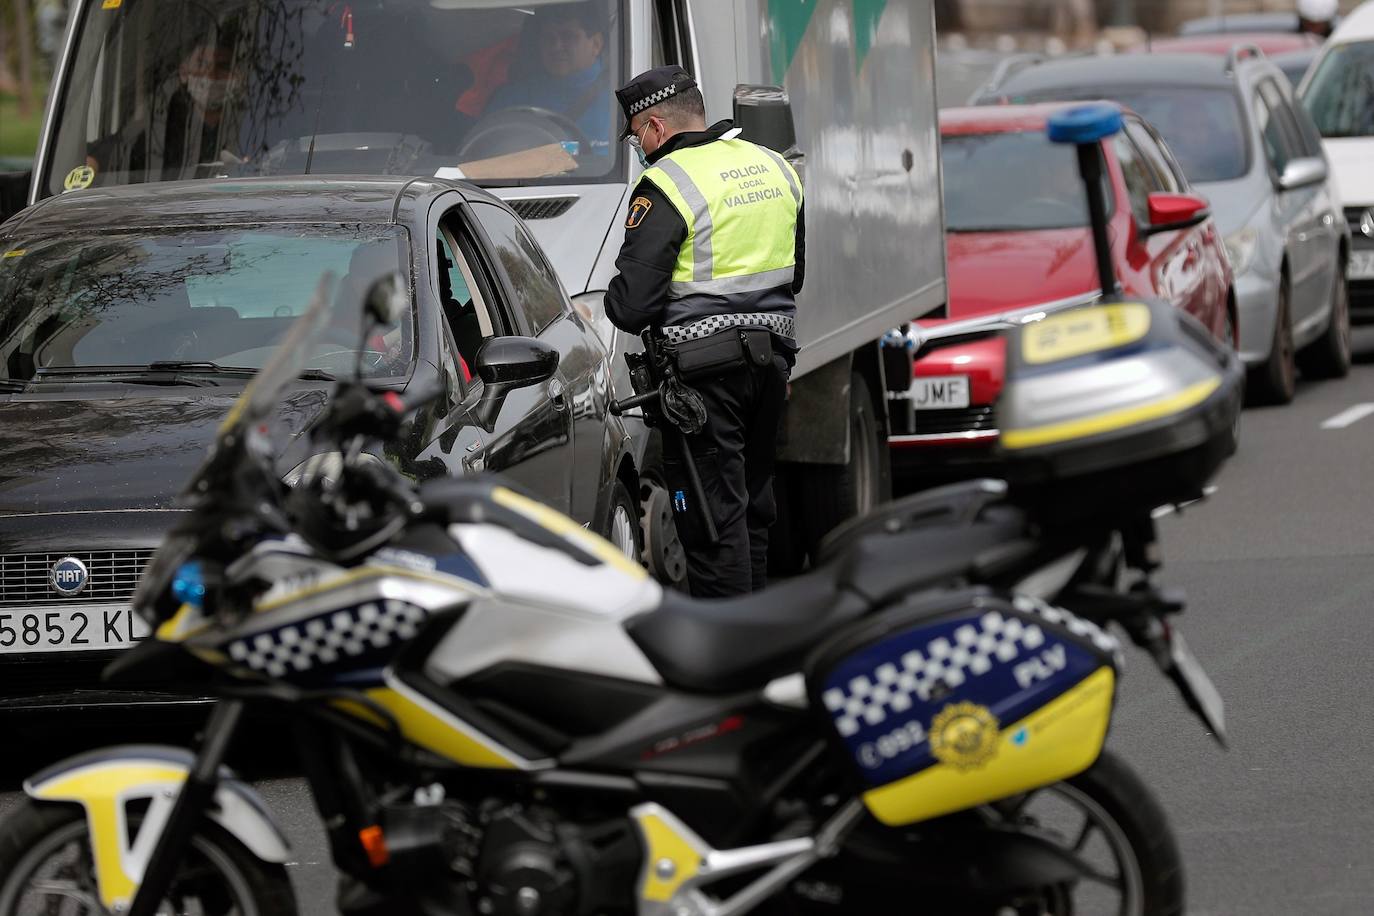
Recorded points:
(74, 629)
(1361, 266)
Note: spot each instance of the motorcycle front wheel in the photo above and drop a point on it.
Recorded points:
(46, 868)
(1103, 827)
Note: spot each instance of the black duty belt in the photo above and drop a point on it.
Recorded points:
(780, 325)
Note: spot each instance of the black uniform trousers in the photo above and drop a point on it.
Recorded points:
(734, 455)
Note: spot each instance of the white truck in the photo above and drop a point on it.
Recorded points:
(516, 96)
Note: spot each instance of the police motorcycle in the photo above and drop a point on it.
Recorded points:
(497, 713)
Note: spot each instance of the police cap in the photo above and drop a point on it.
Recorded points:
(650, 88)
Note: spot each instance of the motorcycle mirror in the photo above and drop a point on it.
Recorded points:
(386, 300)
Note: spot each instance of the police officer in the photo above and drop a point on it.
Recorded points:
(714, 253)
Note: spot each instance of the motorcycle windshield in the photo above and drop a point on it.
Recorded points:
(501, 93)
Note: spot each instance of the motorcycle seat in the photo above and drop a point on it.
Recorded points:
(724, 645)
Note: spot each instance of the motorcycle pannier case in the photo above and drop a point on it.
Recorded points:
(1114, 408)
(949, 702)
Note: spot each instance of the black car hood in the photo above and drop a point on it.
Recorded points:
(89, 448)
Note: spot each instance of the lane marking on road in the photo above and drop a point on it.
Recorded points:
(1349, 416)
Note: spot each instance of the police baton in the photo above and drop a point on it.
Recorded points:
(644, 372)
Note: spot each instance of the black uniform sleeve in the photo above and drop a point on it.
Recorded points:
(638, 293)
(799, 275)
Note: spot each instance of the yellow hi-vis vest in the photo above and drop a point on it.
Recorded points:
(740, 202)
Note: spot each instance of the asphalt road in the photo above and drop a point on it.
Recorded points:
(1279, 566)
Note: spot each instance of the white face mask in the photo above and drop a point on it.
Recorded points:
(209, 92)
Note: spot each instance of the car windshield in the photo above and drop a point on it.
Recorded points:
(1203, 127)
(984, 194)
(194, 300)
(498, 93)
(1340, 95)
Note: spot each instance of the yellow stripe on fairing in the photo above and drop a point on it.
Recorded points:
(433, 730)
(1107, 422)
(100, 789)
(1060, 739)
(568, 529)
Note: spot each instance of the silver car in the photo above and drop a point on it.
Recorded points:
(1245, 144)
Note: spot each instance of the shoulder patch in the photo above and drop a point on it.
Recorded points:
(639, 208)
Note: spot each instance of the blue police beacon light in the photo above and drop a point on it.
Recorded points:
(1085, 123)
(1086, 126)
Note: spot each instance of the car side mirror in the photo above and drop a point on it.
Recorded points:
(505, 364)
(764, 116)
(1299, 173)
(1170, 212)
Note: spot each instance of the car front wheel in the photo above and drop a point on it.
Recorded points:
(1275, 380)
(1329, 355)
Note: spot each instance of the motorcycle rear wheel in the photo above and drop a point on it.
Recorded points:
(1105, 820)
(46, 868)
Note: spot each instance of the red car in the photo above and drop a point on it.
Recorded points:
(1268, 42)
(1017, 231)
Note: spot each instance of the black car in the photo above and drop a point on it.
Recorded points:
(131, 318)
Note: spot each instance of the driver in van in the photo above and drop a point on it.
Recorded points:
(568, 75)
(191, 124)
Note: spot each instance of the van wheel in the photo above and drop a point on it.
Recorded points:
(664, 554)
(1329, 355)
(1276, 380)
(835, 494)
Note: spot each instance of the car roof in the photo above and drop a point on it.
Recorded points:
(1198, 70)
(1356, 26)
(305, 199)
(997, 119)
(1241, 22)
(1224, 42)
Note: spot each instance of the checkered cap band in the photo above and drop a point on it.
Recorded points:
(328, 638)
(780, 325)
(652, 99)
(993, 640)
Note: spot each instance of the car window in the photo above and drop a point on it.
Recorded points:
(465, 310)
(1141, 179)
(1279, 140)
(225, 295)
(538, 296)
(1340, 95)
(1204, 127)
(1044, 191)
(1154, 157)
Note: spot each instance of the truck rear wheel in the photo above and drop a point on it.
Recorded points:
(831, 494)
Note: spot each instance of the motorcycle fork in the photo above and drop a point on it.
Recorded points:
(343, 799)
(195, 796)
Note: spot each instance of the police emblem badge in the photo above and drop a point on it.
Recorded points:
(639, 208)
(964, 735)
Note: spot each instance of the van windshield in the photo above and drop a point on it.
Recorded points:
(1340, 96)
(162, 90)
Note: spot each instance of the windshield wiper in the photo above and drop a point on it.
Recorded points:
(162, 372)
(166, 372)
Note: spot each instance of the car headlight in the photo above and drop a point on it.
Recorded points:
(1240, 247)
(592, 307)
